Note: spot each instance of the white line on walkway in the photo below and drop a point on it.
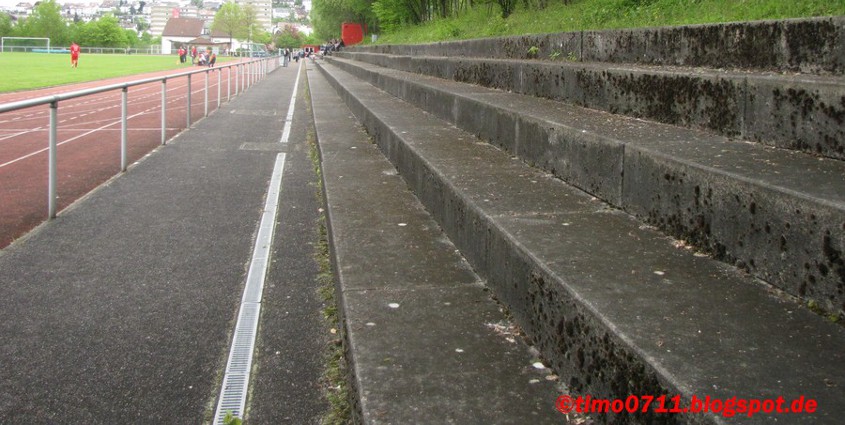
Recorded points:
(236, 378)
(289, 117)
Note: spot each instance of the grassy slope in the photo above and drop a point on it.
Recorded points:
(486, 21)
(34, 70)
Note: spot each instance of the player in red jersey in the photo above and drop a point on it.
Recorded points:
(74, 55)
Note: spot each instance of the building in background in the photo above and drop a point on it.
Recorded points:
(263, 11)
(160, 13)
(181, 31)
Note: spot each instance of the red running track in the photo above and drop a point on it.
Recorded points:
(88, 140)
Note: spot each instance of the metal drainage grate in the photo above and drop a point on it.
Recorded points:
(236, 379)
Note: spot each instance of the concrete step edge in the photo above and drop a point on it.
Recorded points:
(425, 342)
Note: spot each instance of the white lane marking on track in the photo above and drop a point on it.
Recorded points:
(68, 140)
(154, 90)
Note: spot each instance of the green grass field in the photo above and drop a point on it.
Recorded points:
(35, 70)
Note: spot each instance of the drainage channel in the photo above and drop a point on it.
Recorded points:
(236, 379)
(233, 392)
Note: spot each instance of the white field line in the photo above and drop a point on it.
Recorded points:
(157, 92)
(70, 140)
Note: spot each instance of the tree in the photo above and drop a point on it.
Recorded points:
(142, 25)
(392, 14)
(131, 37)
(328, 15)
(146, 40)
(5, 25)
(507, 7)
(262, 37)
(46, 21)
(104, 32)
(249, 20)
(108, 32)
(289, 37)
(229, 20)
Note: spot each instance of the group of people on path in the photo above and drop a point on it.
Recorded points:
(288, 54)
(203, 58)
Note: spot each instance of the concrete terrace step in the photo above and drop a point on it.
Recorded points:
(814, 46)
(425, 341)
(800, 112)
(616, 307)
(779, 214)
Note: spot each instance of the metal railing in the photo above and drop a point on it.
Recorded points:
(245, 75)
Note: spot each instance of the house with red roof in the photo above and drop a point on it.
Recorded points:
(179, 32)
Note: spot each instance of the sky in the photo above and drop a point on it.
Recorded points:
(11, 3)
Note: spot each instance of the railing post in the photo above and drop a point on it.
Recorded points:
(123, 124)
(164, 111)
(228, 83)
(51, 162)
(206, 93)
(219, 85)
(189, 101)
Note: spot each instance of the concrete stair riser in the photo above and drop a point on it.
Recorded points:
(815, 45)
(793, 242)
(798, 45)
(800, 113)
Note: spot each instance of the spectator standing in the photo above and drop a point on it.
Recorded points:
(74, 54)
(193, 55)
(212, 58)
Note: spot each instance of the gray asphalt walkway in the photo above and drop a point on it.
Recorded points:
(121, 309)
